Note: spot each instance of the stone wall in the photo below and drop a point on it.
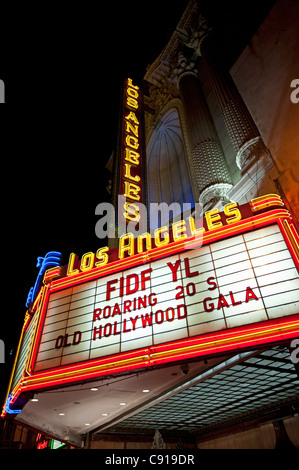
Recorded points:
(263, 74)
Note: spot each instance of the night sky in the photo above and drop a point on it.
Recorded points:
(63, 68)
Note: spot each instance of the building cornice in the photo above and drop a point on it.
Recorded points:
(162, 66)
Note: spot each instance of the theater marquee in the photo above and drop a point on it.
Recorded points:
(228, 286)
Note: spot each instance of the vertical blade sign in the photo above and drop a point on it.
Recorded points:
(131, 160)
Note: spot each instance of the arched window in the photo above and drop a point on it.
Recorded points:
(167, 170)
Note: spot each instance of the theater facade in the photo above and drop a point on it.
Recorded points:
(190, 324)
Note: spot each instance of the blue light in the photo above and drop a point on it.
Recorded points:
(8, 409)
(52, 258)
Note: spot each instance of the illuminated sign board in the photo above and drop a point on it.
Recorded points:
(131, 154)
(245, 279)
(232, 284)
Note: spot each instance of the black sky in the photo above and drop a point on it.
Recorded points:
(63, 67)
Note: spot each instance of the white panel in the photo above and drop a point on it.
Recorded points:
(264, 241)
(141, 342)
(167, 299)
(171, 309)
(232, 259)
(198, 261)
(56, 323)
(281, 287)
(53, 354)
(52, 312)
(47, 344)
(281, 298)
(112, 297)
(79, 315)
(198, 252)
(75, 357)
(131, 325)
(195, 317)
(83, 287)
(82, 303)
(132, 328)
(283, 310)
(279, 276)
(261, 233)
(268, 249)
(60, 294)
(105, 349)
(271, 258)
(274, 267)
(237, 285)
(64, 301)
(172, 335)
(230, 250)
(207, 327)
(226, 243)
(47, 364)
(86, 294)
(140, 332)
(166, 287)
(231, 279)
(234, 268)
(246, 318)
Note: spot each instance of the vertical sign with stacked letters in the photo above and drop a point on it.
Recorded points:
(131, 179)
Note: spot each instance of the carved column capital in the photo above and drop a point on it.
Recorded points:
(198, 35)
(215, 193)
(185, 66)
(249, 152)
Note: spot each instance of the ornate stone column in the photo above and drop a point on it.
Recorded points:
(240, 126)
(211, 179)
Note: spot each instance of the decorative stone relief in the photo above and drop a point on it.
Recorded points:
(213, 194)
(184, 66)
(197, 35)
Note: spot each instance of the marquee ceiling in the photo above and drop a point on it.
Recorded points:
(213, 395)
(78, 409)
(244, 391)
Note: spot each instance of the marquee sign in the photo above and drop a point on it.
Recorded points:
(230, 285)
(131, 155)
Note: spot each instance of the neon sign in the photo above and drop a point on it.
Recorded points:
(179, 231)
(41, 441)
(131, 158)
(234, 287)
(52, 258)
